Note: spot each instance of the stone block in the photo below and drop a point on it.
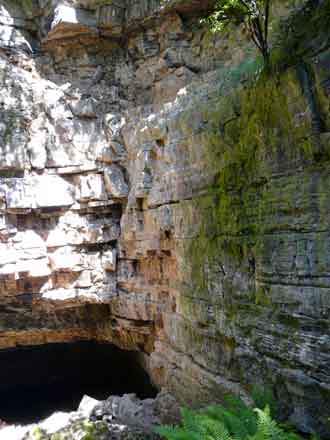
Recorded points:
(109, 260)
(72, 16)
(19, 194)
(13, 140)
(84, 108)
(65, 259)
(111, 17)
(52, 191)
(91, 187)
(115, 182)
(38, 192)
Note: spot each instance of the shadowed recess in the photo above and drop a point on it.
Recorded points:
(37, 381)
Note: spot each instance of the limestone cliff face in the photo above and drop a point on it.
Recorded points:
(153, 196)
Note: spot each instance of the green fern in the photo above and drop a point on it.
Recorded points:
(174, 433)
(190, 420)
(239, 419)
(262, 397)
(214, 429)
(233, 420)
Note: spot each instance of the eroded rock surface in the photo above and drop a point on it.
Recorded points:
(145, 202)
(117, 418)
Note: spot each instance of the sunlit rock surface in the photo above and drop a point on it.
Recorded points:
(150, 196)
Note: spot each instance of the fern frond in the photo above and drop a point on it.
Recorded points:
(233, 421)
(262, 397)
(215, 429)
(236, 406)
(267, 427)
(189, 420)
(174, 433)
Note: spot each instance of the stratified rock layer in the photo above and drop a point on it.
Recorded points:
(153, 196)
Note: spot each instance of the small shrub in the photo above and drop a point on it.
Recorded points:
(254, 14)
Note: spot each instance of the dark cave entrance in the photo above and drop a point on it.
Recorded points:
(37, 381)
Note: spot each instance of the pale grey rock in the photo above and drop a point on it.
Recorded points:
(26, 255)
(87, 405)
(74, 229)
(15, 432)
(118, 148)
(115, 181)
(52, 191)
(3, 223)
(53, 100)
(111, 16)
(64, 13)
(38, 143)
(112, 153)
(91, 187)
(84, 280)
(167, 88)
(124, 73)
(119, 421)
(131, 411)
(91, 114)
(38, 192)
(84, 108)
(113, 125)
(75, 142)
(15, 25)
(65, 259)
(140, 416)
(13, 140)
(69, 295)
(109, 260)
(34, 268)
(70, 21)
(55, 422)
(19, 195)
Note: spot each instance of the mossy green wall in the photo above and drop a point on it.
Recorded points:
(256, 307)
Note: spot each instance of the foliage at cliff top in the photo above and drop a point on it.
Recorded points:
(253, 13)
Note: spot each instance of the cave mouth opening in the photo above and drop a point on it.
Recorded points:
(37, 381)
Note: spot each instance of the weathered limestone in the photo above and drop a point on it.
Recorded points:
(115, 182)
(149, 196)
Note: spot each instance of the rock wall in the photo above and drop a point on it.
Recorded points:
(154, 196)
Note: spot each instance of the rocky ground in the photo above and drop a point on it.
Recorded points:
(117, 418)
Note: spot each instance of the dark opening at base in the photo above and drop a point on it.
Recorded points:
(37, 381)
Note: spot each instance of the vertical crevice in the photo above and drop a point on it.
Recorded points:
(307, 83)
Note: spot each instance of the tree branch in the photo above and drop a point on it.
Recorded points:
(267, 7)
(245, 5)
(257, 32)
(253, 35)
